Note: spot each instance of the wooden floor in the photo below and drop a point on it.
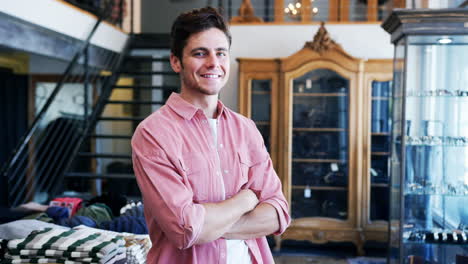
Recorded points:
(291, 259)
(306, 259)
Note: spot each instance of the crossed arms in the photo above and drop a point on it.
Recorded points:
(239, 217)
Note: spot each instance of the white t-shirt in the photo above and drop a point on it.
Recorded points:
(237, 250)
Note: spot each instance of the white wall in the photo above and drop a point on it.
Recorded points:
(65, 19)
(273, 41)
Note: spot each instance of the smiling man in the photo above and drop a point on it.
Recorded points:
(209, 188)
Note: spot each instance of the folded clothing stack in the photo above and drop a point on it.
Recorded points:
(137, 246)
(133, 209)
(67, 246)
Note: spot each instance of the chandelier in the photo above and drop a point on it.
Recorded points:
(295, 10)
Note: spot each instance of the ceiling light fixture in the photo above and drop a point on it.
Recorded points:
(444, 40)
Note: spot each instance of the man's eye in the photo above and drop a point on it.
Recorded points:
(222, 54)
(199, 54)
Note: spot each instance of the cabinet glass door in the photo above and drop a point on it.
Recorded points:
(320, 145)
(380, 150)
(261, 108)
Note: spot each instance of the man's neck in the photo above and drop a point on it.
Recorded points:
(207, 103)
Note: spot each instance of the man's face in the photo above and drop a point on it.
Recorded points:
(204, 68)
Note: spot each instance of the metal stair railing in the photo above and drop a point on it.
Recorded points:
(37, 165)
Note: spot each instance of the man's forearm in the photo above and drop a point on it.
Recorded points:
(220, 217)
(261, 221)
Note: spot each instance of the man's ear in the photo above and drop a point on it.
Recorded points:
(176, 64)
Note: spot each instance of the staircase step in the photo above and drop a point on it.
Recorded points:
(115, 118)
(134, 102)
(146, 59)
(104, 155)
(100, 175)
(111, 136)
(148, 87)
(149, 73)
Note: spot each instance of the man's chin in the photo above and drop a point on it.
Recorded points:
(210, 91)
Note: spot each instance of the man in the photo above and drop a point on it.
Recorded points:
(208, 184)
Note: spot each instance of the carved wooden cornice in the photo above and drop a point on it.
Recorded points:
(246, 14)
(322, 41)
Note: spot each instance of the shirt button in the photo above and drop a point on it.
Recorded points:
(226, 171)
(223, 255)
(220, 145)
(203, 121)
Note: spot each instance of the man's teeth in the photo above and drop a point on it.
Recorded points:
(211, 75)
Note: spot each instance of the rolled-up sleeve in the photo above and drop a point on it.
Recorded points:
(266, 183)
(168, 200)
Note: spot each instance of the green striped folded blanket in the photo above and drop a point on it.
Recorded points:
(83, 245)
(120, 258)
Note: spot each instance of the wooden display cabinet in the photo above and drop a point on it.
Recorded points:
(315, 112)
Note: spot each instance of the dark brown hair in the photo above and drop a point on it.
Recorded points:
(192, 22)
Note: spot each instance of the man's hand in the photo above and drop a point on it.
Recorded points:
(250, 198)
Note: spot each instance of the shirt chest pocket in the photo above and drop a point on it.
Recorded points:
(248, 159)
(196, 169)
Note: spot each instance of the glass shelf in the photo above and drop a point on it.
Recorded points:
(304, 129)
(321, 94)
(318, 187)
(380, 153)
(261, 92)
(380, 185)
(319, 160)
(262, 123)
(437, 141)
(380, 98)
(442, 193)
(439, 93)
(380, 134)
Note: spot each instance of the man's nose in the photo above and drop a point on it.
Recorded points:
(212, 61)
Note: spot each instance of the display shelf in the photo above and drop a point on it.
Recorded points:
(380, 134)
(380, 153)
(379, 185)
(328, 188)
(327, 129)
(262, 123)
(321, 94)
(261, 92)
(380, 98)
(319, 160)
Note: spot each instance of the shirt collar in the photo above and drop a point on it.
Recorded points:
(186, 109)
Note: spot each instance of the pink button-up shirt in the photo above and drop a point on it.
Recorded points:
(177, 168)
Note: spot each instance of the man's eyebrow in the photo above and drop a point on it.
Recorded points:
(206, 50)
(199, 49)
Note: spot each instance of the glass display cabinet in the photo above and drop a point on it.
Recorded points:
(429, 147)
(309, 108)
